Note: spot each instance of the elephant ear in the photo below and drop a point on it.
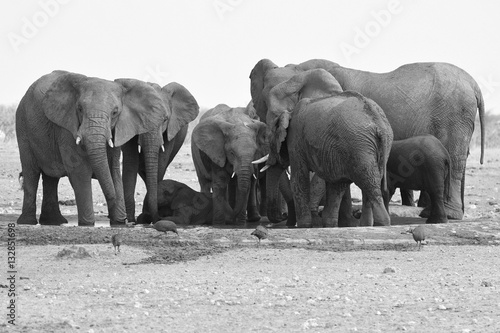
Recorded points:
(260, 130)
(277, 136)
(59, 102)
(209, 137)
(183, 107)
(251, 112)
(143, 110)
(317, 83)
(257, 77)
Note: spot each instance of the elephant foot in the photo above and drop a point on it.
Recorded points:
(349, 222)
(254, 218)
(437, 219)
(291, 222)
(54, 219)
(453, 213)
(144, 218)
(331, 223)
(306, 223)
(28, 220)
(86, 224)
(317, 221)
(426, 213)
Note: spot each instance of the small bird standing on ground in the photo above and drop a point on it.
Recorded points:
(116, 239)
(260, 232)
(418, 234)
(165, 225)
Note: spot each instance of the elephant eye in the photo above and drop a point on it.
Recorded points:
(80, 108)
(115, 112)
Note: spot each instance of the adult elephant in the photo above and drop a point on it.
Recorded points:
(149, 154)
(224, 144)
(421, 98)
(341, 136)
(72, 125)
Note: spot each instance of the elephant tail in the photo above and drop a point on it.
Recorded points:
(480, 107)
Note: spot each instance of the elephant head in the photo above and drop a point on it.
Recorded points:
(236, 139)
(99, 112)
(280, 103)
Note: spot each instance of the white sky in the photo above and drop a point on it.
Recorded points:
(210, 46)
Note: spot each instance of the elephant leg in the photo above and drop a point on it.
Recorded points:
(219, 186)
(334, 194)
(437, 210)
(454, 203)
(30, 187)
(373, 203)
(301, 194)
(130, 170)
(285, 192)
(423, 199)
(120, 213)
(366, 219)
(253, 206)
(318, 191)
(407, 197)
(83, 195)
(261, 195)
(346, 219)
(51, 214)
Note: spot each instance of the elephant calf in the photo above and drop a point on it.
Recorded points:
(421, 163)
(180, 203)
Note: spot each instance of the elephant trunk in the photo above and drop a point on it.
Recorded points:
(95, 145)
(273, 195)
(244, 174)
(151, 152)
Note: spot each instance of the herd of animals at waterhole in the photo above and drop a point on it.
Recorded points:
(309, 131)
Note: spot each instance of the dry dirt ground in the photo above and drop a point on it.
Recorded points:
(220, 280)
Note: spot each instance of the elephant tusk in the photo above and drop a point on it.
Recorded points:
(110, 143)
(265, 168)
(254, 176)
(162, 148)
(261, 160)
(78, 140)
(139, 148)
(232, 176)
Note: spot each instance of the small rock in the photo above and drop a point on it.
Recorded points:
(389, 270)
(486, 284)
(442, 307)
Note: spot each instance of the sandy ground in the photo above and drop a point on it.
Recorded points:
(220, 280)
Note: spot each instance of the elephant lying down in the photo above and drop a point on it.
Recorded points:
(183, 205)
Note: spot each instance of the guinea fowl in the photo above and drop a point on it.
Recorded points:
(418, 234)
(260, 232)
(165, 226)
(116, 239)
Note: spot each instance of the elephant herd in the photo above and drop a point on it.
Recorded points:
(328, 125)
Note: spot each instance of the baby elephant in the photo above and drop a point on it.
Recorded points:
(421, 163)
(180, 203)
